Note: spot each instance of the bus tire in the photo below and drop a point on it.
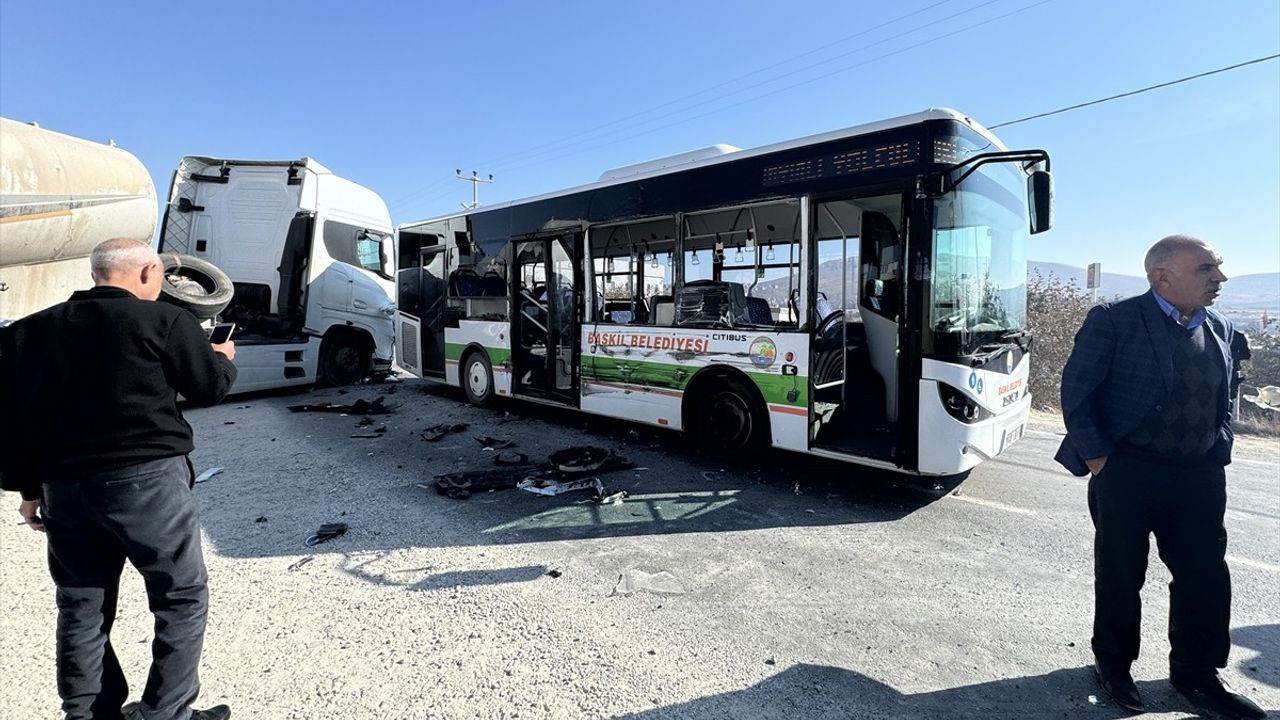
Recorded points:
(477, 378)
(345, 359)
(732, 426)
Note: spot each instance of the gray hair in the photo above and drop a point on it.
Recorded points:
(119, 255)
(1165, 248)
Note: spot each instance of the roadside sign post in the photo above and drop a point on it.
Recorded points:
(1094, 280)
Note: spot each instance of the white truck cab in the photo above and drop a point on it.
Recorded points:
(310, 255)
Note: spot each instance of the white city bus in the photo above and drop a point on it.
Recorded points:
(859, 295)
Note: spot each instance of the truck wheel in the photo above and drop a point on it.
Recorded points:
(729, 425)
(344, 359)
(477, 378)
(195, 285)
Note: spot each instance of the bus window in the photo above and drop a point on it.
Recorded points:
(756, 247)
(631, 265)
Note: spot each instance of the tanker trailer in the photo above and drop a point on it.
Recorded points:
(59, 197)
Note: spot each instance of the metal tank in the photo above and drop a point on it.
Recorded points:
(59, 197)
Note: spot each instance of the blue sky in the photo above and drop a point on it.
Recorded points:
(546, 96)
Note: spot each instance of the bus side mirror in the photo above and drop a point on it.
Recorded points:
(1040, 200)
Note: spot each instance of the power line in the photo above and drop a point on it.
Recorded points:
(723, 96)
(630, 118)
(434, 189)
(787, 88)
(580, 149)
(1136, 92)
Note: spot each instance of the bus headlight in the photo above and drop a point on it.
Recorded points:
(961, 406)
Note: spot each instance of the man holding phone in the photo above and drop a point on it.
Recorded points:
(221, 333)
(99, 454)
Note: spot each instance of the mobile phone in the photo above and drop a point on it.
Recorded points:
(221, 333)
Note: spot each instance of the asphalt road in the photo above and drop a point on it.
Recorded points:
(795, 589)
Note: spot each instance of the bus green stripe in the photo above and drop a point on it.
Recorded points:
(670, 376)
(497, 356)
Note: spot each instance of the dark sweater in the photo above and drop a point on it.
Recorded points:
(1185, 426)
(92, 384)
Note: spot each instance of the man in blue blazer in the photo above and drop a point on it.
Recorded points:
(1146, 401)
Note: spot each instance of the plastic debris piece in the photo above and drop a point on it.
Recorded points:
(545, 486)
(301, 562)
(494, 443)
(614, 498)
(660, 583)
(208, 474)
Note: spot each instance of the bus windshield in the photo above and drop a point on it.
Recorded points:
(980, 258)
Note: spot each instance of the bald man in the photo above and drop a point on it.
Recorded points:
(1146, 402)
(98, 450)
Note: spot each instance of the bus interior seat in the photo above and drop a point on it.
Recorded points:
(712, 301)
(823, 309)
(464, 282)
(758, 311)
(664, 309)
(492, 284)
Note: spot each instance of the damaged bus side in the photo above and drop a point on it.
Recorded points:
(858, 295)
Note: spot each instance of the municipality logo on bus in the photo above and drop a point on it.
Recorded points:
(762, 352)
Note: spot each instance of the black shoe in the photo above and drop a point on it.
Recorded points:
(217, 712)
(1211, 692)
(1118, 685)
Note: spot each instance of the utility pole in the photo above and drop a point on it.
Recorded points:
(475, 181)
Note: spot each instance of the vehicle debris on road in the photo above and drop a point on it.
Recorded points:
(435, 432)
(326, 532)
(460, 485)
(360, 407)
(493, 443)
(549, 487)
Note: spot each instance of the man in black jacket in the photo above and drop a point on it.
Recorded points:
(98, 449)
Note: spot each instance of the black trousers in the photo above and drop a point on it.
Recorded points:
(1183, 507)
(143, 513)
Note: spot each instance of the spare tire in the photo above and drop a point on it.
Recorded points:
(195, 285)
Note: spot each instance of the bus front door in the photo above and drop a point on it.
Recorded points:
(545, 320)
(432, 301)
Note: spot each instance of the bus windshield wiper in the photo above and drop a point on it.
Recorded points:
(994, 351)
(1022, 338)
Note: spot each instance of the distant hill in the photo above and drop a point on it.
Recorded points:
(1260, 291)
(1245, 293)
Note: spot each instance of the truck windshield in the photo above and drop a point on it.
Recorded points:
(980, 258)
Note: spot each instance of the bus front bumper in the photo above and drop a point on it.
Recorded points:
(949, 446)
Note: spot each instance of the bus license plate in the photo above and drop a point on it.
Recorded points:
(1012, 435)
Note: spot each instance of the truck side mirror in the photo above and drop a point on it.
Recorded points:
(1040, 200)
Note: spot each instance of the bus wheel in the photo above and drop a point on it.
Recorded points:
(729, 425)
(344, 359)
(477, 379)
